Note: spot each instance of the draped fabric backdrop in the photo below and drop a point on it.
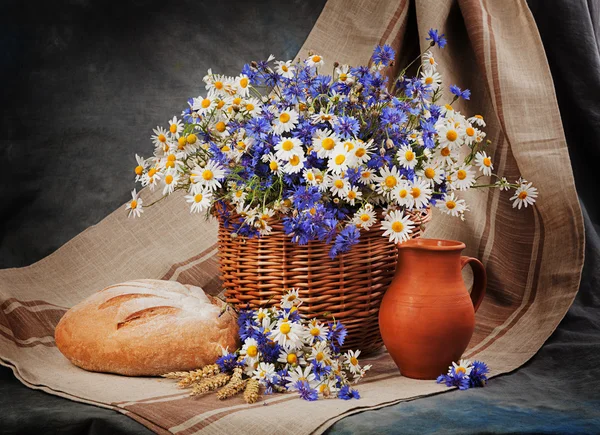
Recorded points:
(533, 257)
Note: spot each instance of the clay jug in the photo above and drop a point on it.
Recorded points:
(427, 316)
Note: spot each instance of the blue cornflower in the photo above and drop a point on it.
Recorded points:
(246, 320)
(336, 335)
(454, 379)
(393, 118)
(384, 55)
(228, 362)
(305, 391)
(258, 127)
(346, 126)
(305, 197)
(293, 93)
(304, 131)
(347, 393)
(269, 351)
(320, 370)
(436, 38)
(252, 74)
(320, 85)
(478, 376)
(466, 94)
(346, 238)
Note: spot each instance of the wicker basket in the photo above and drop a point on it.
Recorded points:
(349, 288)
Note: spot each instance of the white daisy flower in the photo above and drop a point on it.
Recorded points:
(428, 61)
(264, 372)
(251, 107)
(366, 176)
(261, 221)
(362, 151)
(204, 105)
(139, 169)
(451, 205)
(314, 61)
(242, 84)
(300, 374)
(337, 184)
(260, 314)
(524, 195)
(352, 360)
(465, 178)
(250, 351)
(324, 142)
(200, 201)
(314, 331)
(463, 367)
(397, 226)
(210, 175)
(432, 173)
(352, 194)
(135, 205)
(450, 135)
(221, 129)
(388, 179)
(275, 165)
(295, 163)
(420, 192)
(327, 388)
(364, 218)
(285, 69)
(444, 156)
(407, 157)
(218, 83)
(175, 126)
(286, 121)
(312, 176)
(288, 147)
(160, 136)
(401, 194)
(320, 353)
(361, 373)
(344, 75)
(477, 120)
(431, 78)
(292, 358)
(321, 117)
(170, 181)
(151, 178)
(503, 184)
(484, 163)
(340, 159)
(287, 334)
(290, 299)
(471, 134)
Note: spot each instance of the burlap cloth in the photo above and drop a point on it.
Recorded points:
(533, 257)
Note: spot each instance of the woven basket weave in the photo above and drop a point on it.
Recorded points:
(349, 288)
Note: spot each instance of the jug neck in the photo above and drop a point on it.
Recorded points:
(424, 256)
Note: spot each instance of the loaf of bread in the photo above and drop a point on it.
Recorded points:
(145, 328)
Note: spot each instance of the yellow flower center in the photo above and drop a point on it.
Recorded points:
(291, 358)
(169, 179)
(313, 211)
(365, 217)
(241, 145)
(207, 174)
(487, 162)
(352, 194)
(191, 139)
(220, 104)
(284, 117)
(450, 204)
(460, 370)
(198, 197)
(273, 165)
(461, 174)
(415, 192)
(294, 160)
(448, 107)
(319, 178)
(244, 82)
(237, 101)
(287, 145)
(349, 146)
(470, 131)
(397, 226)
(220, 126)
(170, 164)
(134, 204)
(402, 193)
(431, 61)
(252, 351)
(343, 77)
(409, 155)
(523, 195)
(428, 80)
(219, 85)
(478, 116)
(390, 181)
(139, 170)
(430, 173)
(319, 356)
(249, 107)
(328, 143)
(205, 103)
(151, 172)
(340, 159)
(173, 128)
(366, 174)
(315, 331)
(353, 360)
(238, 194)
(285, 328)
(360, 152)
(284, 68)
(451, 135)
(338, 183)
(445, 152)
(171, 157)
(162, 138)
(310, 176)
(316, 59)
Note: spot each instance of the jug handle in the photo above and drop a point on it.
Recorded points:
(479, 279)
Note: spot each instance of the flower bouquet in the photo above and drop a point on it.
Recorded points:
(287, 153)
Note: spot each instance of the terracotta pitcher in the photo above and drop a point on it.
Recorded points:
(427, 316)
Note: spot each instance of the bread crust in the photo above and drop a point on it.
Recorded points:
(146, 328)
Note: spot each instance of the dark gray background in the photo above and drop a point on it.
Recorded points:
(83, 84)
